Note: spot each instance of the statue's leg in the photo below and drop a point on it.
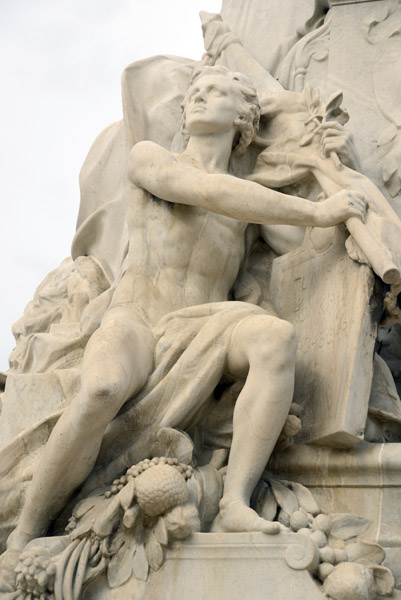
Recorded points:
(263, 349)
(117, 362)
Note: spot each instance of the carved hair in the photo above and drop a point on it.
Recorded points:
(248, 105)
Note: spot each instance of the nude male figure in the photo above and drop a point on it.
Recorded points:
(187, 244)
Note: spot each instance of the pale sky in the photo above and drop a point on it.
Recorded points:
(61, 67)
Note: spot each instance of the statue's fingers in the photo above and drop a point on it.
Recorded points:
(331, 125)
(358, 204)
(334, 135)
(333, 146)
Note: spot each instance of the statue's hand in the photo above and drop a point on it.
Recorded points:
(340, 207)
(337, 139)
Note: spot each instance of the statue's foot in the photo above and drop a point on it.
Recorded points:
(8, 562)
(238, 517)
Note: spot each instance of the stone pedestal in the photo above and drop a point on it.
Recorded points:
(235, 566)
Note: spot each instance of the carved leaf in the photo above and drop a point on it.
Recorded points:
(285, 497)
(334, 102)
(173, 443)
(130, 516)
(140, 564)
(334, 110)
(365, 553)
(86, 505)
(269, 508)
(264, 502)
(89, 512)
(305, 498)
(82, 529)
(127, 494)
(161, 532)
(260, 495)
(306, 139)
(346, 526)
(121, 564)
(119, 538)
(108, 519)
(154, 552)
(384, 580)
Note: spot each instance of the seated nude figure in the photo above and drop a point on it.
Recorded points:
(187, 244)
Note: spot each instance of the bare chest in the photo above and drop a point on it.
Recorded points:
(187, 237)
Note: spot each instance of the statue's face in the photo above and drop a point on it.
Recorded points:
(211, 106)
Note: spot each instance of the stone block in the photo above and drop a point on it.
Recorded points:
(217, 566)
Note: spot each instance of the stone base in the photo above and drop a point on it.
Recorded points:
(235, 566)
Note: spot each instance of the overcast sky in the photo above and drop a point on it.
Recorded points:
(61, 67)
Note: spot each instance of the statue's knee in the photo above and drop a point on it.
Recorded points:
(104, 391)
(287, 337)
(274, 340)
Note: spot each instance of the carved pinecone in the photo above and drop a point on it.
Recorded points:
(160, 488)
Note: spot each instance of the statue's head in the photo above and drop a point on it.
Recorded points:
(230, 98)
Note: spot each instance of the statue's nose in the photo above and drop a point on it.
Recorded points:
(200, 96)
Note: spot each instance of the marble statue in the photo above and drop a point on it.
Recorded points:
(193, 216)
(200, 337)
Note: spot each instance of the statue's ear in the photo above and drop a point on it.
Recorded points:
(384, 580)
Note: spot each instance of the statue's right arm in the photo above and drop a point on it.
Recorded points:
(156, 170)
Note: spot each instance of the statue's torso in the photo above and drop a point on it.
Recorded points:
(179, 256)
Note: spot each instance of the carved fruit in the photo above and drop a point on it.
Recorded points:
(299, 520)
(324, 570)
(305, 531)
(327, 555)
(323, 523)
(160, 488)
(350, 582)
(319, 538)
(341, 555)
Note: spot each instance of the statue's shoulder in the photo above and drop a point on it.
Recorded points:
(146, 150)
(145, 157)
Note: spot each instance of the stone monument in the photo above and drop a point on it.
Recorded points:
(208, 387)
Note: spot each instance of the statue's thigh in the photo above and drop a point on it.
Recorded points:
(121, 349)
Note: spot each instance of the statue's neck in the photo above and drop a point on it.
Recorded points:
(213, 151)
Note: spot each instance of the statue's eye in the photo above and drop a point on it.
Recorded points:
(218, 91)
